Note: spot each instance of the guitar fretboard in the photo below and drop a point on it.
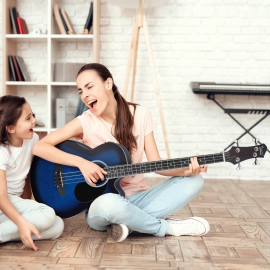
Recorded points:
(161, 165)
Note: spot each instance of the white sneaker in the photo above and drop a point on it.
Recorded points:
(194, 226)
(118, 232)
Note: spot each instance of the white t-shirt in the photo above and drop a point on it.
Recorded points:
(16, 161)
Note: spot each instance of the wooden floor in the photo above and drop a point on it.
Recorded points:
(238, 213)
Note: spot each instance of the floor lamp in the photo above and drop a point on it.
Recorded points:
(140, 22)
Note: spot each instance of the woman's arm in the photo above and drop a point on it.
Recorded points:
(24, 226)
(46, 149)
(152, 154)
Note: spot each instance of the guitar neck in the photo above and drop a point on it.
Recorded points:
(161, 165)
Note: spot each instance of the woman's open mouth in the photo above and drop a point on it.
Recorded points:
(92, 103)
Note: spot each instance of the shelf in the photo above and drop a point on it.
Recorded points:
(72, 37)
(40, 129)
(26, 37)
(60, 37)
(30, 83)
(40, 53)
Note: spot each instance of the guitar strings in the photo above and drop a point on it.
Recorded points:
(76, 176)
(177, 165)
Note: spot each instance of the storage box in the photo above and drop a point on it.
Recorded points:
(66, 72)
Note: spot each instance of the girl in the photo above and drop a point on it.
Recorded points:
(111, 118)
(21, 217)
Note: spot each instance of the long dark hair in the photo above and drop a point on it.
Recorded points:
(10, 112)
(124, 118)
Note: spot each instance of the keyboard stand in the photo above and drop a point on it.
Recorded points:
(245, 111)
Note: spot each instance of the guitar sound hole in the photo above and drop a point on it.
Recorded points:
(85, 193)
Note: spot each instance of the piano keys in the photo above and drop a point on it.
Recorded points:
(229, 89)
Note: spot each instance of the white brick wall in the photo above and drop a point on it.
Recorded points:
(224, 41)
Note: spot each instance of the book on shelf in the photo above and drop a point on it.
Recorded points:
(19, 76)
(18, 24)
(17, 68)
(58, 19)
(13, 19)
(23, 29)
(12, 73)
(63, 20)
(89, 20)
(23, 69)
(70, 29)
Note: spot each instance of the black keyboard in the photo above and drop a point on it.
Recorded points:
(230, 89)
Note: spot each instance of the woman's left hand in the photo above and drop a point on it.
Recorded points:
(194, 168)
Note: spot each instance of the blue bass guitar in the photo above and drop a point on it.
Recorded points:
(66, 191)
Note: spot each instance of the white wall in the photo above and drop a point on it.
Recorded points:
(223, 41)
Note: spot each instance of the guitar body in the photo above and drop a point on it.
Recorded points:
(64, 188)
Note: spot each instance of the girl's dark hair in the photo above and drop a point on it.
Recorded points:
(10, 112)
(124, 119)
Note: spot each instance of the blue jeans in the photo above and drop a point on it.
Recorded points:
(144, 211)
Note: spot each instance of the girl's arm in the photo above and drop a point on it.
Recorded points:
(152, 154)
(46, 149)
(24, 226)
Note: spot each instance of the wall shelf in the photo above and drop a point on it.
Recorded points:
(42, 51)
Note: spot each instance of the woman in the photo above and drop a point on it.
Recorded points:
(111, 118)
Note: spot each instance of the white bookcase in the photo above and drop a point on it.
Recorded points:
(42, 51)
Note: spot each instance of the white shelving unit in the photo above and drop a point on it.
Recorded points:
(41, 51)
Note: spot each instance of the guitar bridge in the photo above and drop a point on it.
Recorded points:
(58, 180)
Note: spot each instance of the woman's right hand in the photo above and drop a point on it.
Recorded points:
(91, 172)
(25, 231)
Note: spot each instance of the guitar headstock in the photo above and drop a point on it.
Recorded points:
(237, 154)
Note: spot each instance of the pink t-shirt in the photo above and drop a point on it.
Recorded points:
(97, 131)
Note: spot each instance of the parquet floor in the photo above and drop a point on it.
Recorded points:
(238, 213)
